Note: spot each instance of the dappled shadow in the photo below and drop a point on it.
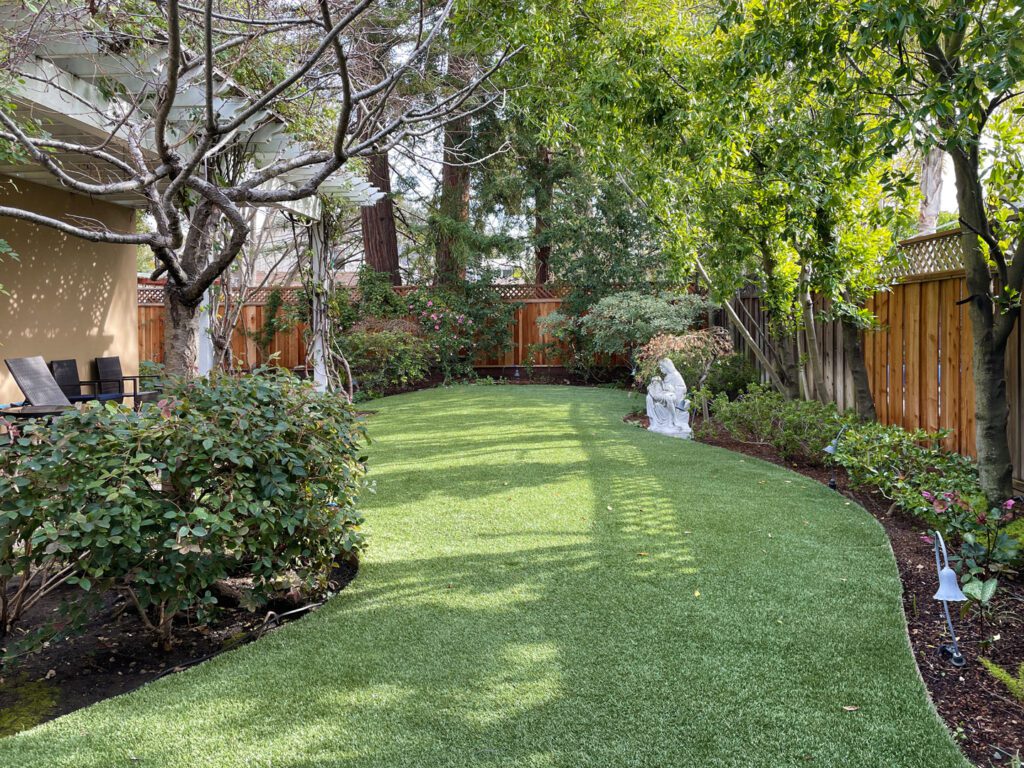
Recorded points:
(585, 594)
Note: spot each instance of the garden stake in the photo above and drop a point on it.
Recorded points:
(948, 591)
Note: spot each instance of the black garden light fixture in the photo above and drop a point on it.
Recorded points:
(949, 591)
(831, 449)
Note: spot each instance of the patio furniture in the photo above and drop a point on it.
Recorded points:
(33, 411)
(65, 372)
(36, 382)
(112, 381)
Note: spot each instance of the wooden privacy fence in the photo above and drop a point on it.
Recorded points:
(289, 344)
(534, 302)
(920, 358)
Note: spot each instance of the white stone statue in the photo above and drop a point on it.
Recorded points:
(667, 406)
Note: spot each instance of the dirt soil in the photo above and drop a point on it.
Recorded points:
(115, 654)
(980, 712)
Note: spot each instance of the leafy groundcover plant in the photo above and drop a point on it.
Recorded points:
(908, 467)
(253, 478)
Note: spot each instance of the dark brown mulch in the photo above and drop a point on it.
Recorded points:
(985, 719)
(115, 654)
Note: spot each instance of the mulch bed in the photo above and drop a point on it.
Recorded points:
(115, 654)
(985, 719)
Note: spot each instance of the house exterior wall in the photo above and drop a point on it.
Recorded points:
(67, 298)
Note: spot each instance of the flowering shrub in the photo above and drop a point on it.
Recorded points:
(254, 477)
(461, 323)
(986, 549)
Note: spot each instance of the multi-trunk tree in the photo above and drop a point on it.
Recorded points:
(946, 75)
(214, 76)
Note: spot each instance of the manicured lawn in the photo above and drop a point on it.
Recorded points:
(548, 586)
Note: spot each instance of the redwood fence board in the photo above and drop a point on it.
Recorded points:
(533, 303)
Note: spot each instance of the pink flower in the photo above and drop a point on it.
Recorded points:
(927, 539)
(430, 303)
(1009, 504)
(928, 496)
(433, 317)
(437, 327)
(410, 306)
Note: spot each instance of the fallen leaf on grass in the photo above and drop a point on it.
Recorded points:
(641, 554)
(849, 708)
(696, 593)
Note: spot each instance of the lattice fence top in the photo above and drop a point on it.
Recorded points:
(151, 293)
(927, 254)
(515, 291)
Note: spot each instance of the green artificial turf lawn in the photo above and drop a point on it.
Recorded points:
(548, 586)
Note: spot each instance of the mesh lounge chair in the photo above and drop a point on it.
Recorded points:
(36, 381)
(112, 382)
(65, 372)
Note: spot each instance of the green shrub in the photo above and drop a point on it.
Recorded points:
(385, 360)
(254, 477)
(731, 375)
(623, 322)
(596, 344)
(797, 430)
(904, 465)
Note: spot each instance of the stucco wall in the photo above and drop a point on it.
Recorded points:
(68, 298)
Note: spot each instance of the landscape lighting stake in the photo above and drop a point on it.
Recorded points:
(948, 591)
(831, 449)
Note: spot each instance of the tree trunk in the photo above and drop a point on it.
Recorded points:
(542, 211)
(787, 365)
(454, 206)
(931, 191)
(991, 409)
(181, 333)
(453, 211)
(817, 373)
(380, 238)
(853, 349)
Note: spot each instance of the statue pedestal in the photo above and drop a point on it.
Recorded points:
(681, 429)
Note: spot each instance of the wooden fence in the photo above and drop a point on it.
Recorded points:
(920, 358)
(533, 303)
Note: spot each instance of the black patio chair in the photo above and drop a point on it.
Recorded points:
(36, 381)
(65, 372)
(112, 381)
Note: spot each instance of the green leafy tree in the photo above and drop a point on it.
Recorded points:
(946, 73)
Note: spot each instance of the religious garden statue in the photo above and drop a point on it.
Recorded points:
(667, 406)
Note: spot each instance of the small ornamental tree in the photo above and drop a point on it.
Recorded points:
(305, 68)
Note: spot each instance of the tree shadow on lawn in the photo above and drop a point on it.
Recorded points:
(658, 625)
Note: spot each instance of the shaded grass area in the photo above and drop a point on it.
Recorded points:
(548, 586)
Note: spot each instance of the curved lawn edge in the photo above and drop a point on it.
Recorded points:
(547, 585)
(892, 554)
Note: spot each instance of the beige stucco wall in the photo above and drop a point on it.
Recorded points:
(68, 298)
